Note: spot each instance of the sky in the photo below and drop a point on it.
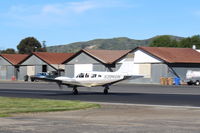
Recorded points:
(66, 21)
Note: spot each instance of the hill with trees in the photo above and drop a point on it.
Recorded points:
(31, 44)
(167, 41)
(121, 43)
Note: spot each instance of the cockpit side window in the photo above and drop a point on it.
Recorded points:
(99, 76)
(86, 75)
(94, 76)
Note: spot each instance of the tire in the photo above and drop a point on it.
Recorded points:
(105, 91)
(32, 79)
(190, 83)
(75, 91)
(26, 78)
(197, 82)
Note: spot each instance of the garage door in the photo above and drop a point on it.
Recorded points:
(30, 70)
(78, 68)
(3, 70)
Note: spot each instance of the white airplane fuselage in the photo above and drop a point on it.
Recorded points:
(91, 79)
(105, 79)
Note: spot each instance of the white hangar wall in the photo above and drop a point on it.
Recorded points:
(154, 68)
(151, 67)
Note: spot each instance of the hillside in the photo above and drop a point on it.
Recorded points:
(120, 43)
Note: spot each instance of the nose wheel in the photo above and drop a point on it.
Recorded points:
(106, 90)
(75, 91)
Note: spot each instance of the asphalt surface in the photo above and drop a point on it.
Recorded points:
(110, 118)
(123, 93)
(107, 119)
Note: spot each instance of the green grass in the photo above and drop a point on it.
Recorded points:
(9, 106)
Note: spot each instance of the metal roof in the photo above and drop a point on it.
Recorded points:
(53, 58)
(173, 55)
(104, 56)
(14, 59)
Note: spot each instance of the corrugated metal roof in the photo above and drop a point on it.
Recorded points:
(14, 59)
(53, 58)
(107, 56)
(174, 55)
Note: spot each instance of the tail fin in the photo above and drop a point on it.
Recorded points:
(127, 66)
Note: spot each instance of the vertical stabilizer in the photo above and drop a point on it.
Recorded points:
(127, 66)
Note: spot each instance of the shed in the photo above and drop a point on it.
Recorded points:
(43, 62)
(9, 66)
(94, 60)
(157, 62)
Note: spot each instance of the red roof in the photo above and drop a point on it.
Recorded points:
(174, 55)
(104, 56)
(14, 59)
(107, 56)
(53, 58)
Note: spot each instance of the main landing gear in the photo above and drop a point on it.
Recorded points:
(106, 90)
(75, 90)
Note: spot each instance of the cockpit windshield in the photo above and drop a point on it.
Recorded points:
(83, 75)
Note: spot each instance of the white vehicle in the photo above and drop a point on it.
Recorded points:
(95, 78)
(193, 77)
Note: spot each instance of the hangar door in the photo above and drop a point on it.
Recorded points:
(78, 68)
(3, 71)
(30, 70)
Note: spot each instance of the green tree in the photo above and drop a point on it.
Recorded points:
(28, 45)
(8, 51)
(164, 41)
(190, 41)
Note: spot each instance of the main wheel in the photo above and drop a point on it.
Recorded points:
(32, 79)
(75, 91)
(190, 83)
(105, 91)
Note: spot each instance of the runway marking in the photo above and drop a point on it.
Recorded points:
(149, 105)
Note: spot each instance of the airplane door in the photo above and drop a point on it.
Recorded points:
(78, 68)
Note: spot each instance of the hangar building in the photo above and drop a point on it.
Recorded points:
(157, 62)
(94, 60)
(9, 66)
(43, 62)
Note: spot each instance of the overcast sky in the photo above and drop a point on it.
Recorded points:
(66, 21)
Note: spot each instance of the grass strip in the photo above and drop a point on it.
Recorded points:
(10, 106)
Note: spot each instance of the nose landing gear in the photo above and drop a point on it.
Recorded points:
(75, 90)
(106, 90)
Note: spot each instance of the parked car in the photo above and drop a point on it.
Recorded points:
(42, 75)
(193, 77)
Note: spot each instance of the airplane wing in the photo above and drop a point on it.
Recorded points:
(49, 79)
(46, 79)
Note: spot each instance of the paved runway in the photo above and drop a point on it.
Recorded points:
(130, 94)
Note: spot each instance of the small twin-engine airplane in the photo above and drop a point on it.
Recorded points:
(97, 78)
